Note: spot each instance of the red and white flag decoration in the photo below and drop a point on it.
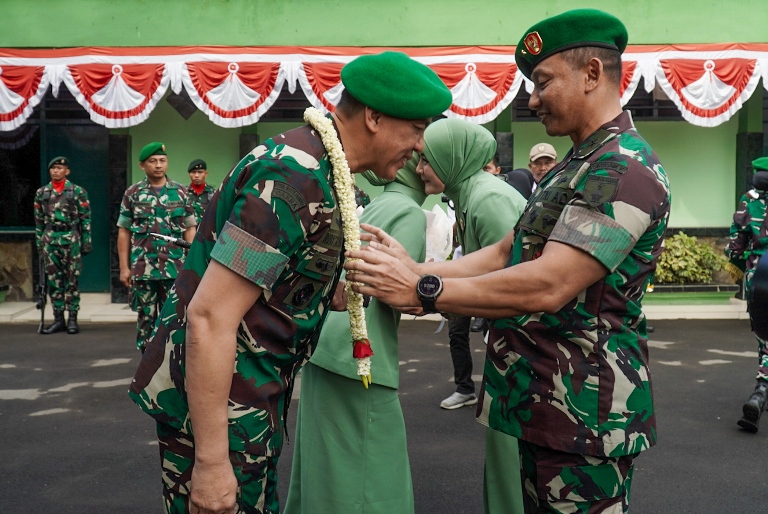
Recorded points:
(708, 92)
(480, 90)
(21, 89)
(235, 86)
(117, 95)
(233, 94)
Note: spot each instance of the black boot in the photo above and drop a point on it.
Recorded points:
(57, 325)
(754, 407)
(72, 326)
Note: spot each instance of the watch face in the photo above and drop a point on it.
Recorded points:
(429, 286)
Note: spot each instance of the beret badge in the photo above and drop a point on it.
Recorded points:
(533, 43)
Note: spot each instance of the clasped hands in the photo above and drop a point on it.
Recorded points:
(383, 269)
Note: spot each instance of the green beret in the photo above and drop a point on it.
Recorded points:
(197, 164)
(396, 85)
(150, 150)
(59, 160)
(572, 29)
(760, 164)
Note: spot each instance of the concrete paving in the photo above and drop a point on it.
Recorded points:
(72, 442)
(96, 307)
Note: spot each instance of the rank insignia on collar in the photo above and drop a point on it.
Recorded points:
(533, 43)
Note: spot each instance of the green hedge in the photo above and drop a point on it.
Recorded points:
(685, 260)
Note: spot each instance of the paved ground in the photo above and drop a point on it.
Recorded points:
(71, 441)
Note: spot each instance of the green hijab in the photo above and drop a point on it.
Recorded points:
(457, 149)
(406, 181)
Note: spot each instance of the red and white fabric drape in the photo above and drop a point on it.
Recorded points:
(235, 86)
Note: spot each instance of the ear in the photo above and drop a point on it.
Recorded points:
(372, 120)
(593, 74)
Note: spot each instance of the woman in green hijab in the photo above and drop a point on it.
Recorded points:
(350, 451)
(487, 209)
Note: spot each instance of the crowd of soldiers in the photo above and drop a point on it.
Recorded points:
(148, 265)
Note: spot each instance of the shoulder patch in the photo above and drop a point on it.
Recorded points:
(600, 190)
(609, 165)
(289, 195)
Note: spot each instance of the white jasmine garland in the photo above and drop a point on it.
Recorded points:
(343, 184)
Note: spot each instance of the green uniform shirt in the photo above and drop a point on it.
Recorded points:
(487, 209)
(397, 211)
(144, 211)
(749, 231)
(275, 223)
(62, 219)
(199, 202)
(577, 380)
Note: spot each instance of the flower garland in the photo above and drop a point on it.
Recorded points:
(343, 184)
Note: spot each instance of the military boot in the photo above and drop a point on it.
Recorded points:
(754, 407)
(72, 326)
(57, 325)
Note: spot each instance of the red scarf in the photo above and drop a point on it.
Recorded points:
(197, 189)
(58, 185)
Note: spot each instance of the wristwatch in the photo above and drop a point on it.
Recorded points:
(428, 288)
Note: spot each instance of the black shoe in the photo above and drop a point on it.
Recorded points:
(57, 325)
(754, 407)
(649, 328)
(477, 325)
(72, 326)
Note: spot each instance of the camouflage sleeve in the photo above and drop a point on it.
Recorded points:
(126, 211)
(248, 256)
(739, 233)
(84, 212)
(612, 212)
(190, 219)
(268, 222)
(39, 216)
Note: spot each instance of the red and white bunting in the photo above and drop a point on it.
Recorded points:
(21, 89)
(233, 94)
(235, 86)
(117, 95)
(708, 91)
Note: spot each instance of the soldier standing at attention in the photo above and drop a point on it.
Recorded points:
(63, 235)
(749, 242)
(566, 369)
(259, 280)
(147, 265)
(199, 192)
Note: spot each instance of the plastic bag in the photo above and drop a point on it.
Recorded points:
(439, 234)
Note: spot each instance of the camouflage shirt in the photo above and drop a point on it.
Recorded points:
(62, 218)
(749, 231)
(275, 223)
(199, 202)
(577, 381)
(144, 211)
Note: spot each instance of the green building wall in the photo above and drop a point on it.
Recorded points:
(700, 161)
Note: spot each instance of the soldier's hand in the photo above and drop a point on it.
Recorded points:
(213, 489)
(125, 277)
(87, 248)
(339, 301)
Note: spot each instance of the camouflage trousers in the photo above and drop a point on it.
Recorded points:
(62, 270)
(147, 298)
(559, 482)
(762, 344)
(256, 475)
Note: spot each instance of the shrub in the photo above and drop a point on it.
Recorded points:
(684, 260)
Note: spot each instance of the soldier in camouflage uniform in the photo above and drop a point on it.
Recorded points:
(567, 359)
(257, 284)
(63, 235)
(749, 241)
(149, 266)
(199, 193)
